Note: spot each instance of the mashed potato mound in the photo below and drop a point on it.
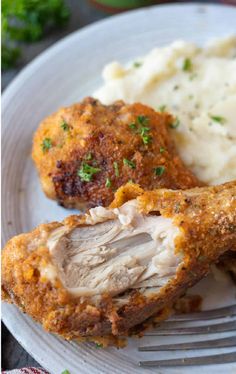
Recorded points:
(197, 85)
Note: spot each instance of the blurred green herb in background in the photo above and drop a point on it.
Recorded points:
(28, 21)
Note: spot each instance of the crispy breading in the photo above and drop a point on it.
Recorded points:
(84, 152)
(207, 221)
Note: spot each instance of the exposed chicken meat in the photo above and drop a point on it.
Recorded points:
(128, 251)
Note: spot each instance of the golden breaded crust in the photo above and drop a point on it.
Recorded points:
(203, 214)
(207, 219)
(120, 142)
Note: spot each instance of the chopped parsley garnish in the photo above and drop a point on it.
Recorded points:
(130, 164)
(133, 126)
(143, 120)
(97, 345)
(143, 129)
(46, 144)
(137, 64)
(116, 168)
(162, 108)
(89, 156)
(140, 127)
(147, 139)
(86, 172)
(108, 183)
(175, 124)
(162, 149)
(65, 372)
(65, 126)
(218, 119)
(187, 65)
(159, 170)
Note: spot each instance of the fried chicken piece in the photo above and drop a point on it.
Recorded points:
(107, 272)
(84, 152)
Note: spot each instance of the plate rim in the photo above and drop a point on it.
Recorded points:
(27, 71)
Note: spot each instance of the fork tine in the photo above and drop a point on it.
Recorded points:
(213, 343)
(227, 311)
(220, 327)
(204, 360)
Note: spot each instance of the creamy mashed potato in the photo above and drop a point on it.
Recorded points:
(198, 86)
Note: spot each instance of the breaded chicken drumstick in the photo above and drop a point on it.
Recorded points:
(83, 153)
(108, 271)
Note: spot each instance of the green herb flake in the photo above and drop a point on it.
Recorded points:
(187, 65)
(162, 149)
(147, 139)
(116, 168)
(97, 345)
(137, 64)
(86, 172)
(65, 126)
(175, 124)
(218, 119)
(143, 120)
(159, 170)
(65, 372)
(130, 164)
(89, 156)
(162, 108)
(133, 126)
(46, 144)
(140, 127)
(143, 129)
(108, 183)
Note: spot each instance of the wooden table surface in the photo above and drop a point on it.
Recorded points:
(82, 13)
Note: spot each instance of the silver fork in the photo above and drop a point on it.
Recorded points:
(177, 325)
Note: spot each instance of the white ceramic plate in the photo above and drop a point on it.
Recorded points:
(62, 75)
